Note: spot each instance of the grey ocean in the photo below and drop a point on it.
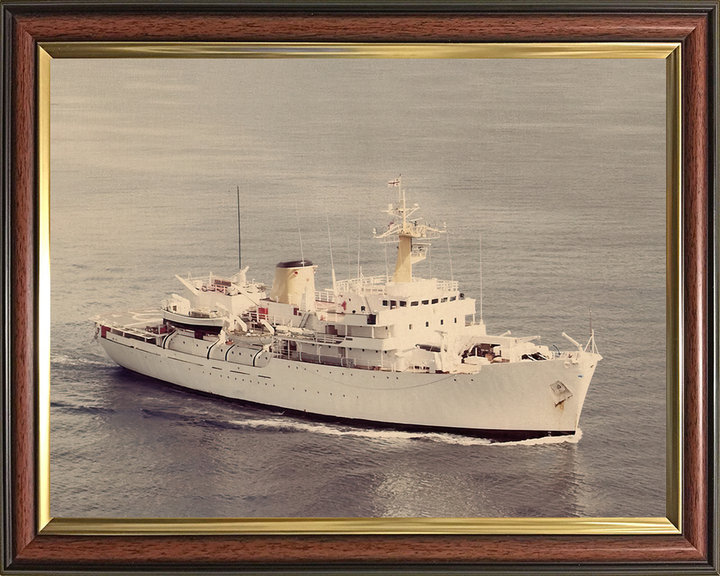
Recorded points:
(558, 164)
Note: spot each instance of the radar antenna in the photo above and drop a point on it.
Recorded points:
(405, 229)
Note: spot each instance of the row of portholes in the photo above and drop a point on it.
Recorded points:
(330, 393)
(266, 383)
(341, 373)
(242, 379)
(251, 382)
(317, 370)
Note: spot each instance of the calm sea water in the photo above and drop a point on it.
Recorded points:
(559, 165)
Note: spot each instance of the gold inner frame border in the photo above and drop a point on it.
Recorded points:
(671, 524)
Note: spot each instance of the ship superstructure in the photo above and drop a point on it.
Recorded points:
(403, 352)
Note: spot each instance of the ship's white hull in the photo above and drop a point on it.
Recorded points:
(505, 400)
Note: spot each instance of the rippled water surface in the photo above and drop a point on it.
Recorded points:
(558, 164)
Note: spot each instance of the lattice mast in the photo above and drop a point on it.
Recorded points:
(406, 229)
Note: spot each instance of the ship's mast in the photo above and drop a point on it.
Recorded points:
(405, 230)
(239, 234)
(403, 266)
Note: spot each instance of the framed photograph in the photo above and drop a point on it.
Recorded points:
(304, 177)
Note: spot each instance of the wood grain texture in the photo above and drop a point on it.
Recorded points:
(31, 551)
(696, 197)
(216, 551)
(22, 267)
(289, 27)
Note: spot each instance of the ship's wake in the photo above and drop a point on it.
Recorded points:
(384, 435)
(284, 424)
(78, 361)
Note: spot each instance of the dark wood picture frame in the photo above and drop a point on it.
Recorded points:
(694, 24)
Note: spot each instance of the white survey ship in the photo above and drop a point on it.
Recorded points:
(401, 351)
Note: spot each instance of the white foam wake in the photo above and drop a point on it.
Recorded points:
(64, 360)
(398, 435)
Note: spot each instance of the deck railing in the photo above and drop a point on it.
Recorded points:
(363, 284)
(377, 285)
(325, 296)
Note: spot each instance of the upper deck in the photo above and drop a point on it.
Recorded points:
(382, 286)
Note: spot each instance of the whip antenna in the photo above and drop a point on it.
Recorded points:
(481, 276)
(332, 263)
(238, 226)
(449, 254)
(358, 244)
(297, 214)
(348, 257)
